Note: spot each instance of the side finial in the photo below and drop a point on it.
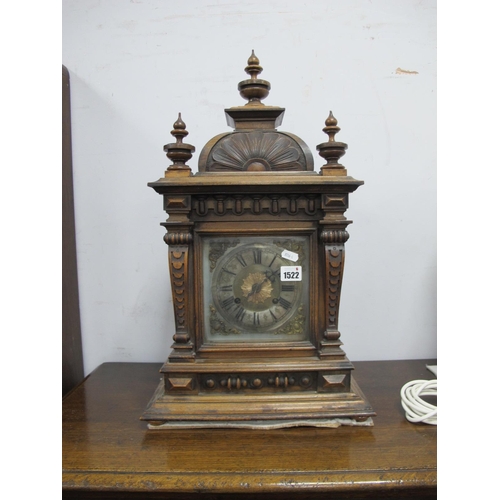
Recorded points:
(331, 127)
(179, 152)
(332, 150)
(179, 131)
(255, 89)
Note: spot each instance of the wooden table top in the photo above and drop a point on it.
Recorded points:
(109, 453)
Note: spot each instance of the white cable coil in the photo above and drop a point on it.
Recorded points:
(416, 409)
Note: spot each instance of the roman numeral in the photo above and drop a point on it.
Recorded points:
(241, 260)
(227, 302)
(256, 319)
(257, 256)
(240, 314)
(229, 272)
(286, 287)
(226, 288)
(274, 317)
(284, 303)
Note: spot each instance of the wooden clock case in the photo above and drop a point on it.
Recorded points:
(256, 181)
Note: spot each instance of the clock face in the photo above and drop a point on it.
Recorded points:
(257, 288)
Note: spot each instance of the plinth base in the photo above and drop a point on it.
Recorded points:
(258, 411)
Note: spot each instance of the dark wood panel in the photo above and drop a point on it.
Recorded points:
(72, 358)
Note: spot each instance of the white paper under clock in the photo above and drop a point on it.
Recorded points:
(291, 273)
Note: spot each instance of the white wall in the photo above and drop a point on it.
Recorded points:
(134, 65)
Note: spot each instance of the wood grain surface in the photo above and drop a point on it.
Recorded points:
(109, 453)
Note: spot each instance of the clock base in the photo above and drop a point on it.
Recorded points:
(290, 403)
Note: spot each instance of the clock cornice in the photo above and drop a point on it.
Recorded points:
(262, 182)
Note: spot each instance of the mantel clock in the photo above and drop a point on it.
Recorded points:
(256, 256)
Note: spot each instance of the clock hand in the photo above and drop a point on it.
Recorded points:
(272, 275)
(256, 287)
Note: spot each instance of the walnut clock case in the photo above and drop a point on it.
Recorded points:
(256, 256)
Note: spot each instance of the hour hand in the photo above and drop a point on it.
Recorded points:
(256, 287)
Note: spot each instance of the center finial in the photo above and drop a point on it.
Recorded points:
(253, 68)
(254, 89)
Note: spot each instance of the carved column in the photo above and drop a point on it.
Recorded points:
(333, 240)
(178, 256)
(333, 237)
(179, 240)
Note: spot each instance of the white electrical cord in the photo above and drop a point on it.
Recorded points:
(416, 409)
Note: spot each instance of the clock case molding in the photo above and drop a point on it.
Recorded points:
(256, 181)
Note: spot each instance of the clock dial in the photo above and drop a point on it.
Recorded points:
(247, 297)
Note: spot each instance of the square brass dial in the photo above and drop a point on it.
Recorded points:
(256, 289)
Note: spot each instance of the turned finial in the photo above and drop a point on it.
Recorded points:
(253, 68)
(332, 150)
(331, 127)
(179, 152)
(255, 89)
(179, 131)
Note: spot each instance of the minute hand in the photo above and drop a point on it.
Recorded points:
(272, 275)
(256, 288)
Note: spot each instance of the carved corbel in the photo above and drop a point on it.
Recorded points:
(333, 241)
(179, 244)
(179, 240)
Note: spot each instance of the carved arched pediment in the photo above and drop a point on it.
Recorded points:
(257, 150)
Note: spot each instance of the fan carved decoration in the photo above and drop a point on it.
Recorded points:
(256, 151)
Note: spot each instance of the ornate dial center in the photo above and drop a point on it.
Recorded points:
(257, 288)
